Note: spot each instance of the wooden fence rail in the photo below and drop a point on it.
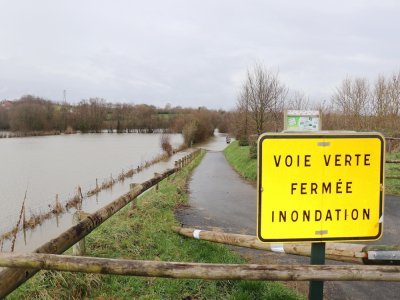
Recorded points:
(11, 278)
(356, 253)
(200, 270)
(336, 251)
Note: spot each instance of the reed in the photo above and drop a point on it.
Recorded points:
(94, 191)
(75, 201)
(36, 219)
(121, 176)
(129, 173)
(57, 208)
(108, 183)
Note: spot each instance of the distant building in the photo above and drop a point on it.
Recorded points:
(7, 104)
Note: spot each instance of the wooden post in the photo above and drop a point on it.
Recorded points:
(133, 187)
(79, 249)
(155, 176)
(56, 208)
(80, 197)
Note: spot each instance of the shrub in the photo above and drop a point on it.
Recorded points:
(253, 146)
(253, 150)
(243, 142)
(166, 144)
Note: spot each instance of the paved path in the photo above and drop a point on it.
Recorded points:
(219, 197)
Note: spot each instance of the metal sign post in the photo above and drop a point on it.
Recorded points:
(316, 290)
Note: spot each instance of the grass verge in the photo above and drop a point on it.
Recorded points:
(144, 233)
(238, 157)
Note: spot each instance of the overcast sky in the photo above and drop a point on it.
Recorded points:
(190, 53)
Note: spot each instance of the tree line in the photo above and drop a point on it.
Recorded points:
(356, 104)
(35, 114)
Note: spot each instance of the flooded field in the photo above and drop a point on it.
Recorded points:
(43, 167)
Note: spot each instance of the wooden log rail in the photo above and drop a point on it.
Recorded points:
(184, 161)
(200, 270)
(356, 253)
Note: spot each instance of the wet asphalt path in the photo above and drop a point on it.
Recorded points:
(220, 198)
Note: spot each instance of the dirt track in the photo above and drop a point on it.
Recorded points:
(219, 198)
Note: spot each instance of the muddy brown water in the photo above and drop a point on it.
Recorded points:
(221, 200)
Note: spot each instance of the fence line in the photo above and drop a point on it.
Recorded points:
(11, 278)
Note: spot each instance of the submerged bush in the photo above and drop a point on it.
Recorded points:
(166, 144)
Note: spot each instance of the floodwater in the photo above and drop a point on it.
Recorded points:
(42, 167)
(215, 143)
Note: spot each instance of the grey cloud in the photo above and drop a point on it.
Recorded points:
(190, 53)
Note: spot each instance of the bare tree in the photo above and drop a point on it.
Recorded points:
(263, 93)
(243, 116)
(277, 107)
(352, 99)
(380, 103)
(393, 94)
(298, 101)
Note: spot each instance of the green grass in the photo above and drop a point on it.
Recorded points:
(238, 157)
(392, 186)
(144, 233)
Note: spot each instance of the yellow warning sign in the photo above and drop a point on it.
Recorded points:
(320, 187)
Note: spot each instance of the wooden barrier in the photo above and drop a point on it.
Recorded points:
(335, 251)
(200, 270)
(346, 252)
(186, 160)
